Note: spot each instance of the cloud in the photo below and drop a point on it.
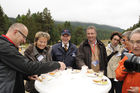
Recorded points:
(121, 13)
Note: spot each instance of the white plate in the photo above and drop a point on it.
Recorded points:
(100, 82)
(91, 75)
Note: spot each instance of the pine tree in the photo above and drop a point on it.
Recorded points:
(2, 21)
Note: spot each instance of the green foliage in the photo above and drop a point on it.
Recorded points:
(134, 26)
(4, 22)
(78, 35)
(40, 21)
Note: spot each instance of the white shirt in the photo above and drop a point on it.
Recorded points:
(63, 45)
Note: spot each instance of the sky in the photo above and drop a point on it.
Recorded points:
(119, 13)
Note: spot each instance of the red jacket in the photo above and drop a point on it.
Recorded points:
(130, 79)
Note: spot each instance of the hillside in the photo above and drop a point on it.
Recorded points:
(85, 25)
(98, 26)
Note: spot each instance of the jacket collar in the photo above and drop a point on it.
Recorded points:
(8, 39)
(35, 52)
(98, 42)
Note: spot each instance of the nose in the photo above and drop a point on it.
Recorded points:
(43, 44)
(24, 41)
(134, 45)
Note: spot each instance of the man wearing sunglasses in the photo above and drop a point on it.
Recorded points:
(126, 43)
(14, 66)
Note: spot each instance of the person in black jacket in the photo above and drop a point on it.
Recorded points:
(92, 52)
(14, 66)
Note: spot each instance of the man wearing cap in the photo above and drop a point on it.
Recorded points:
(65, 51)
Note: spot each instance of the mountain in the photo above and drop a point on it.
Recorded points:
(98, 26)
(85, 25)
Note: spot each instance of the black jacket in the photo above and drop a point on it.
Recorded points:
(14, 66)
(84, 55)
(59, 54)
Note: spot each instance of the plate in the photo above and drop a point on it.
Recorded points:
(75, 71)
(91, 75)
(100, 82)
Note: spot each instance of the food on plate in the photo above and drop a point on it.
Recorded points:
(40, 79)
(52, 73)
(75, 71)
(100, 81)
(90, 71)
(43, 76)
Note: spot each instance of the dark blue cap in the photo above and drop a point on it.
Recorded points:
(66, 32)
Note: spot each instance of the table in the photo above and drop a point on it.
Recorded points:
(67, 82)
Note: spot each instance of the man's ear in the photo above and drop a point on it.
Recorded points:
(15, 31)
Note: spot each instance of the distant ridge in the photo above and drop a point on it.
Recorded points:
(85, 25)
(98, 26)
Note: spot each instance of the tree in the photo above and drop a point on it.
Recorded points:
(40, 21)
(4, 21)
(78, 35)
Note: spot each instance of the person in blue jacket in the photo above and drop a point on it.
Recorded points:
(65, 51)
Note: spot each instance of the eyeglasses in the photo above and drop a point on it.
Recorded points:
(22, 34)
(133, 42)
(123, 40)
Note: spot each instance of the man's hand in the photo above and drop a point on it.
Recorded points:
(33, 77)
(133, 90)
(62, 65)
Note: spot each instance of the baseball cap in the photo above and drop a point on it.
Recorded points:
(65, 32)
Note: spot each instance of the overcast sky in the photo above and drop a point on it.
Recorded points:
(120, 13)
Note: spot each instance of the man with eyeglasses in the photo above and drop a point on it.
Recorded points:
(14, 66)
(125, 41)
(131, 80)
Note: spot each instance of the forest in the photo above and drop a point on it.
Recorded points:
(43, 21)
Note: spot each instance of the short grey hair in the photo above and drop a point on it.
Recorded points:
(18, 26)
(127, 34)
(91, 27)
(137, 30)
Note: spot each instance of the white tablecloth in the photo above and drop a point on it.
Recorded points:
(71, 83)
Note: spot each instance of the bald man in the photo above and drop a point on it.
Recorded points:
(14, 66)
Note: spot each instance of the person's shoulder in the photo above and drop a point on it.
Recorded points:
(73, 45)
(29, 48)
(100, 43)
(84, 43)
(108, 46)
(48, 47)
(56, 45)
(4, 41)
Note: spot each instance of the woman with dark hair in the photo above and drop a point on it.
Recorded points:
(114, 55)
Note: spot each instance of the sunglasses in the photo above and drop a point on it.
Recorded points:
(123, 40)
